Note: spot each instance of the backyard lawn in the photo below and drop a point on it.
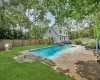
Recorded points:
(11, 70)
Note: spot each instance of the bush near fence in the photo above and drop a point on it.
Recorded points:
(15, 43)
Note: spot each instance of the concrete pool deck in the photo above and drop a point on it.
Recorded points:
(82, 64)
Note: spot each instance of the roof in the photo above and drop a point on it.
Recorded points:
(56, 31)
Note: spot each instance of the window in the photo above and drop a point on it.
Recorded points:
(64, 38)
(49, 37)
(65, 32)
(49, 31)
(60, 38)
(60, 31)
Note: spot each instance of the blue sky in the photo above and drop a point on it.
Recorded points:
(51, 17)
(48, 16)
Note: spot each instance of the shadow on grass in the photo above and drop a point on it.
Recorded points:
(89, 70)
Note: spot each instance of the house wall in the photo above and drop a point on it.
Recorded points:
(64, 32)
(55, 35)
(67, 38)
(52, 34)
(62, 39)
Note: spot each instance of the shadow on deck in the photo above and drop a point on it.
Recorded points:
(89, 70)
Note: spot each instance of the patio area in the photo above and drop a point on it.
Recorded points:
(81, 63)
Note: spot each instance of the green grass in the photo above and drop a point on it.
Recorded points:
(11, 70)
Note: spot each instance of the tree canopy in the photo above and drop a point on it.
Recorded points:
(13, 12)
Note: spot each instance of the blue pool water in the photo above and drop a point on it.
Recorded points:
(51, 52)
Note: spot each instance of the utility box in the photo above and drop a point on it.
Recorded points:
(6, 46)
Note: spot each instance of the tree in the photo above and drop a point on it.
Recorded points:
(97, 26)
(12, 12)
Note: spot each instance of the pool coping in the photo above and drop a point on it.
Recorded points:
(36, 49)
(43, 47)
(49, 46)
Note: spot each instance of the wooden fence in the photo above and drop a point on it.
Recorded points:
(15, 43)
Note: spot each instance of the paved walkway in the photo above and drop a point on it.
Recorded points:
(82, 64)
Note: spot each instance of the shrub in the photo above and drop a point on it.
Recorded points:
(91, 44)
(47, 42)
(77, 41)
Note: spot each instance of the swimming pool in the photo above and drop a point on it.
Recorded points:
(51, 52)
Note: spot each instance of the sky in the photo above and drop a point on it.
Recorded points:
(51, 17)
(48, 16)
